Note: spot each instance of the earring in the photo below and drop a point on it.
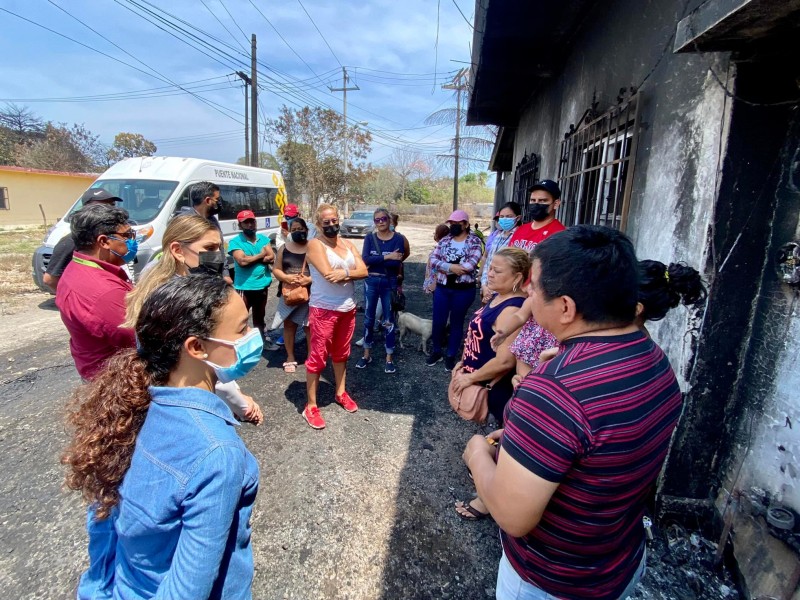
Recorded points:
(205, 355)
(515, 288)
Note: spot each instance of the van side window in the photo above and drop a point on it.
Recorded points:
(236, 198)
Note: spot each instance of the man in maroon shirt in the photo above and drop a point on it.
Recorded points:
(91, 293)
(586, 433)
(545, 198)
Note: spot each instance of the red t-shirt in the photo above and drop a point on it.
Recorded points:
(91, 299)
(526, 237)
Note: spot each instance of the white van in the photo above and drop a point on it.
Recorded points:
(154, 188)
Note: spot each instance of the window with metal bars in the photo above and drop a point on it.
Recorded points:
(5, 204)
(596, 169)
(525, 175)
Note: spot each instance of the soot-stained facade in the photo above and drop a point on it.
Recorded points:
(678, 122)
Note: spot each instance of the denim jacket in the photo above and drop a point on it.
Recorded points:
(182, 528)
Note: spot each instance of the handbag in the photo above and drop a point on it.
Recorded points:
(398, 300)
(472, 403)
(294, 293)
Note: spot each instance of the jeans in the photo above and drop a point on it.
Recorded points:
(510, 586)
(453, 303)
(379, 289)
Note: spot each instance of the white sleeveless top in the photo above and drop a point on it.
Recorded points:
(333, 296)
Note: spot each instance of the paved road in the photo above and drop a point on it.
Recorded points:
(362, 509)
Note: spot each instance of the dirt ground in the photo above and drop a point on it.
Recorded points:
(360, 510)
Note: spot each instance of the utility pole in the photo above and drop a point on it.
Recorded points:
(253, 105)
(247, 82)
(459, 87)
(344, 89)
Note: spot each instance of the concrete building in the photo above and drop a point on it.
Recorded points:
(678, 121)
(35, 196)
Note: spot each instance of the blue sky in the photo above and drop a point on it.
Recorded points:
(389, 48)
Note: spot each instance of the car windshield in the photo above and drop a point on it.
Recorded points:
(142, 198)
(361, 216)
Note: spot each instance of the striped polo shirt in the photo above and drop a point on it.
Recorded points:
(597, 419)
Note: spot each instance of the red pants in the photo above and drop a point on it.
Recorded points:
(331, 333)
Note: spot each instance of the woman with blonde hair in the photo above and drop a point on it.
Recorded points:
(334, 264)
(191, 244)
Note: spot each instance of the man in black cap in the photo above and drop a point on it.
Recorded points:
(545, 198)
(62, 253)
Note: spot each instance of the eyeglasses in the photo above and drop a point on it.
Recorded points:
(380, 219)
(125, 235)
(330, 222)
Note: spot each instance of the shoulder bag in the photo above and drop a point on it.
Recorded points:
(472, 403)
(294, 293)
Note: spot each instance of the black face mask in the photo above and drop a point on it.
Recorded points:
(211, 263)
(330, 231)
(299, 237)
(456, 229)
(249, 232)
(216, 209)
(539, 212)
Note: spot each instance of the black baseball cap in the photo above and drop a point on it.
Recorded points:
(549, 186)
(98, 195)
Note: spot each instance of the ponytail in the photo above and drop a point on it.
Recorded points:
(107, 415)
(662, 288)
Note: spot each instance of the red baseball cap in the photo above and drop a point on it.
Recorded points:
(244, 215)
(291, 211)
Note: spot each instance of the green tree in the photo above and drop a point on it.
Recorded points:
(265, 161)
(418, 193)
(129, 145)
(310, 149)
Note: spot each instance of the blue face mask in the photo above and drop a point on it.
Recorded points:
(507, 223)
(133, 248)
(248, 352)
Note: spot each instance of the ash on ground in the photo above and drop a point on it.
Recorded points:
(680, 566)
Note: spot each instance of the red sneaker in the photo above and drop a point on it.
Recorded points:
(312, 416)
(347, 403)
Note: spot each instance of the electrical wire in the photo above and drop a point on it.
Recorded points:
(246, 39)
(320, 33)
(213, 14)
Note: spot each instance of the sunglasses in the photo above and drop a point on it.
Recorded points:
(330, 222)
(380, 219)
(126, 235)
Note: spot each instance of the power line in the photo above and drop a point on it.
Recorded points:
(218, 107)
(213, 14)
(320, 33)
(161, 77)
(288, 45)
(234, 20)
(466, 20)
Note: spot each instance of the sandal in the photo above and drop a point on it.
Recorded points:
(289, 367)
(473, 513)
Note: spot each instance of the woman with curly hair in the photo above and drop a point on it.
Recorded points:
(191, 244)
(170, 484)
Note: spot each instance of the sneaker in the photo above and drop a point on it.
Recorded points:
(270, 346)
(363, 362)
(347, 403)
(360, 342)
(450, 363)
(434, 358)
(389, 368)
(312, 416)
(279, 341)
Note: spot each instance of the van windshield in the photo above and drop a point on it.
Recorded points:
(142, 198)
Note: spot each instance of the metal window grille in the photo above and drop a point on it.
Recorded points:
(525, 175)
(5, 203)
(596, 169)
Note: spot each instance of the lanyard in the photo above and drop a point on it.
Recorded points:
(88, 263)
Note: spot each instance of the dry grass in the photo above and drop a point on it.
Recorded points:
(16, 252)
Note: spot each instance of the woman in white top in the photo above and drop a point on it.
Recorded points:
(334, 264)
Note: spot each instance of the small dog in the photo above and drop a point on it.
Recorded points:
(407, 321)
